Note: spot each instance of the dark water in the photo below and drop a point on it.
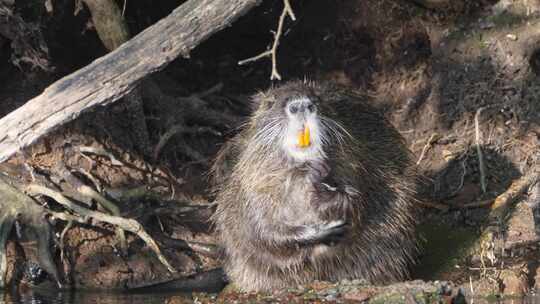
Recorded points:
(88, 297)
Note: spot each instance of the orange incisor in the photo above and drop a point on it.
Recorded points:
(303, 138)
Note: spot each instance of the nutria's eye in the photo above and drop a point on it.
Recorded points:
(293, 109)
(311, 108)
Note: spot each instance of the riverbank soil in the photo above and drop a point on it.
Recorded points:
(458, 79)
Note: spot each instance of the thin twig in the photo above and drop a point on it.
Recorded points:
(255, 58)
(124, 223)
(124, 8)
(481, 165)
(429, 142)
(272, 52)
(214, 89)
(479, 204)
(437, 206)
(463, 174)
(180, 129)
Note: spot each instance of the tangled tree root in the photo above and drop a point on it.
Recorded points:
(15, 205)
(22, 203)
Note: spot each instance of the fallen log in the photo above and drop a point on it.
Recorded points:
(113, 76)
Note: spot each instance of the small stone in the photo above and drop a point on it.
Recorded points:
(512, 37)
(357, 296)
(330, 297)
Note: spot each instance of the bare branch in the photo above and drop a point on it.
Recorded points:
(478, 136)
(272, 52)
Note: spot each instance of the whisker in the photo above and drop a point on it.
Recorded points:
(337, 130)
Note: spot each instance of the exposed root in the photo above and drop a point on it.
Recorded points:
(101, 152)
(92, 194)
(16, 205)
(156, 173)
(125, 224)
(272, 52)
(92, 178)
(6, 222)
(62, 238)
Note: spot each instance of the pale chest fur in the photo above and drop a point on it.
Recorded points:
(292, 195)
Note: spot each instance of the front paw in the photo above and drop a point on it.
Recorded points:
(325, 193)
(351, 191)
(325, 233)
(317, 171)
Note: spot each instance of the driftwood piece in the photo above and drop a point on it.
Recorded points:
(114, 75)
(503, 202)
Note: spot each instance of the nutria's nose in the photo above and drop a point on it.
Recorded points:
(301, 106)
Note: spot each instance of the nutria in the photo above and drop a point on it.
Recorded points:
(321, 187)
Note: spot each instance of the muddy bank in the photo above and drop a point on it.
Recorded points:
(454, 82)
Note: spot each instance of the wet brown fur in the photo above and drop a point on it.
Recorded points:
(268, 204)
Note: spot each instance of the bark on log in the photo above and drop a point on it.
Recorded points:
(114, 75)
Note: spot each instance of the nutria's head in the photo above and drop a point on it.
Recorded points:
(290, 118)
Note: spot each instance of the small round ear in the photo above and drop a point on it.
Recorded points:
(261, 101)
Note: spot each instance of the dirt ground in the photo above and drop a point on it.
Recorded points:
(438, 75)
